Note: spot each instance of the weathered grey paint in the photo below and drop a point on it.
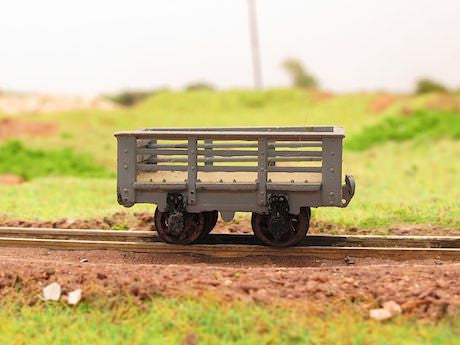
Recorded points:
(126, 170)
(332, 172)
(192, 171)
(140, 150)
(208, 151)
(262, 166)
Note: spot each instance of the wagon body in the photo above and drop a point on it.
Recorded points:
(206, 164)
(233, 169)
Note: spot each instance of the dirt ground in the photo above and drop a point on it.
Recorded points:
(10, 179)
(427, 288)
(12, 128)
(424, 289)
(381, 102)
(144, 221)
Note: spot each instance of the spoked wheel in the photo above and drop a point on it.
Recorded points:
(297, 228)
(193, 227)
(210, 221)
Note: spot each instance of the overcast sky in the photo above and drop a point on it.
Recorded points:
(91, 46)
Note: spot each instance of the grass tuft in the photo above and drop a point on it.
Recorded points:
(30, 163)
(434, 124)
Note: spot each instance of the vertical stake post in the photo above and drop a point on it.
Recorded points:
(262, 171)
(153, 156)
(192, 170)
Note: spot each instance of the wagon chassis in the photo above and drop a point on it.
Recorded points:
(277, 173)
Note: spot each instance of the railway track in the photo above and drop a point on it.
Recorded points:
(222, 245)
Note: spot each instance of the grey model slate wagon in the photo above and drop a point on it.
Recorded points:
(277, 173)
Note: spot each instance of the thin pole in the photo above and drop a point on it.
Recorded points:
(254, 44)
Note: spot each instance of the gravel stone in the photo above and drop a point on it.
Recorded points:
(380, 314)
(74, 297)
(52, 292)
(393, 307)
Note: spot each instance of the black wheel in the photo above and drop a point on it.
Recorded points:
(210, 221)
(194, 226)
(298, 228)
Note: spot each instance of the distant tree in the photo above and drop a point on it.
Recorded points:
(199, 85)
(129, 98)
(425, 85)
(299, 76)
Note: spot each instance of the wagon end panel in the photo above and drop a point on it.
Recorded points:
(331, 187)
(126, 169)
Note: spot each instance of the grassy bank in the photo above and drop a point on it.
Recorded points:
(92, 131)
(407, 183)
(173, 321)
(405, 162)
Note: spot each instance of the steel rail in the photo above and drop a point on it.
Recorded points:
(221, 245)
(241, 250)
(310, 240)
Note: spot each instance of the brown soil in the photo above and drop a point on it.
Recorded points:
(10, 128)
(9, 179)
(144, 221)
(320, 96)
(427, 288)
(424, 288)
(381, 102)
(444, 102)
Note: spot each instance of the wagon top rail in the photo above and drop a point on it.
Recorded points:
(239, 133)
(251, 128)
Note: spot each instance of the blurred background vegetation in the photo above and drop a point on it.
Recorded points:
(298, 75)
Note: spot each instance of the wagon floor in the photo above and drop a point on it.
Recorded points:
(228, 177)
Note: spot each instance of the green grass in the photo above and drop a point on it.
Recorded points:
(170, 321)
(402, 128)
(51, 198)
(30, 163)
(414, 182)
(406, 167)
